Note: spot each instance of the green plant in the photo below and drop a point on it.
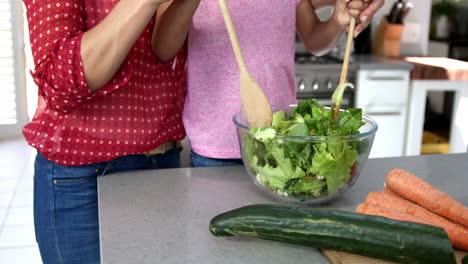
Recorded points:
(444, 7)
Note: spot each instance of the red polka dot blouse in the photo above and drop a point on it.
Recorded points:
(138, 110)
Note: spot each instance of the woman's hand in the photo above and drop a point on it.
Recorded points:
(320, 37)
(362, 10)
(345, 9)
(366, 15)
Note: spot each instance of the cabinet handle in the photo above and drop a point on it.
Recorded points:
(386, 78)
(383, 113)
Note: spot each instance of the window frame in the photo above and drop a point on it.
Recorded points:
(19, 69)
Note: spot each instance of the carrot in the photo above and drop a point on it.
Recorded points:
(392, 193)
(457, 238)
(418, 191)
(458, 234)
(374, 209)
(407, 207)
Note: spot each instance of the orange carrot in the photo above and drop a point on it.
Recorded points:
(392, 193)
(374, 209)
(407, 207)
(418, 191)
(457, 238)
(458, 234)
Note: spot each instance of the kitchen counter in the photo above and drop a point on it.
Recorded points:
(162, 216)
(372, 62)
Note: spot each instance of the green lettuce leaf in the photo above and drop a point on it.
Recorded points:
(334, 161)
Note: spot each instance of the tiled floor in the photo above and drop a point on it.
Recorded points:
(17, 241)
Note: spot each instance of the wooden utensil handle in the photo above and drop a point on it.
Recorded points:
(344, 69)
(232, 35)
(349, 42)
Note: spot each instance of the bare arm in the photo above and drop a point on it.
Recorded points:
(104, 47)
(365, 17)
(171, 27)
(74, 64)
(309, 27)
(320, 37)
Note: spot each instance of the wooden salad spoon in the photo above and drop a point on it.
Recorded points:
(337, 96)
(254, 102)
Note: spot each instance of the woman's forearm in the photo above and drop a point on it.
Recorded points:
(318, 37)
(105, 47)
(323, 37)
(171, 27)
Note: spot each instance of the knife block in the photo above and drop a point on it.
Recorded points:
(386, 41)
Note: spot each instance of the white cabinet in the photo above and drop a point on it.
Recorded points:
(383, 95)
(389, 140)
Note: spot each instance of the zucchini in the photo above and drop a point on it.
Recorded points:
(368, 235)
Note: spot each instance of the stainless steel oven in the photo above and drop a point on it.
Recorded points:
(318, 77)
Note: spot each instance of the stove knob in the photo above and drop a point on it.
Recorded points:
(301, 60)
(329, 84)
(315, 85)
(301, 84)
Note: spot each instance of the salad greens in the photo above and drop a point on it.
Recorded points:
(298, 167)
(337, 96)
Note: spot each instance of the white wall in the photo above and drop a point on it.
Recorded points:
(415, 37)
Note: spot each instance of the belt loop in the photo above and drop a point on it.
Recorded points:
(163, 150)
(103, 171)
(168, 145)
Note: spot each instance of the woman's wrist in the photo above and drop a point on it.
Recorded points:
(336, 23)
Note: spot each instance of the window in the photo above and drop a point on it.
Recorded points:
(12, 69)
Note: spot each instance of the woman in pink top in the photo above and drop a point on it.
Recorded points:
(266, 31)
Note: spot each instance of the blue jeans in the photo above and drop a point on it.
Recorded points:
(66, 204)
(197, 160)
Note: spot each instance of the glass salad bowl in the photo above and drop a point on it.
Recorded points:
(296, 160)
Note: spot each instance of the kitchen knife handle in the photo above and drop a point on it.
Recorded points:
(395, 12)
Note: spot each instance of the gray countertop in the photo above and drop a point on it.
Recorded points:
(371, 62)
(162, 216)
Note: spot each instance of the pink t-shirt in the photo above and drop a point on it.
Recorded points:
(266, 30)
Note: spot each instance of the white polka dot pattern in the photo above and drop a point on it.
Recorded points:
(138, 110)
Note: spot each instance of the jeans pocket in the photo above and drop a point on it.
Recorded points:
(72, 181)
(65, 212)
(76, 214)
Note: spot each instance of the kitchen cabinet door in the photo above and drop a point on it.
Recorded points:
(390, 137)
(382, 87)
(383, 95)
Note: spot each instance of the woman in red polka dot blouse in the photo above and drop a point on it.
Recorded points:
(106, 104)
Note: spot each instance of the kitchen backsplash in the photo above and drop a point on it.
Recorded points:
(415, 37)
